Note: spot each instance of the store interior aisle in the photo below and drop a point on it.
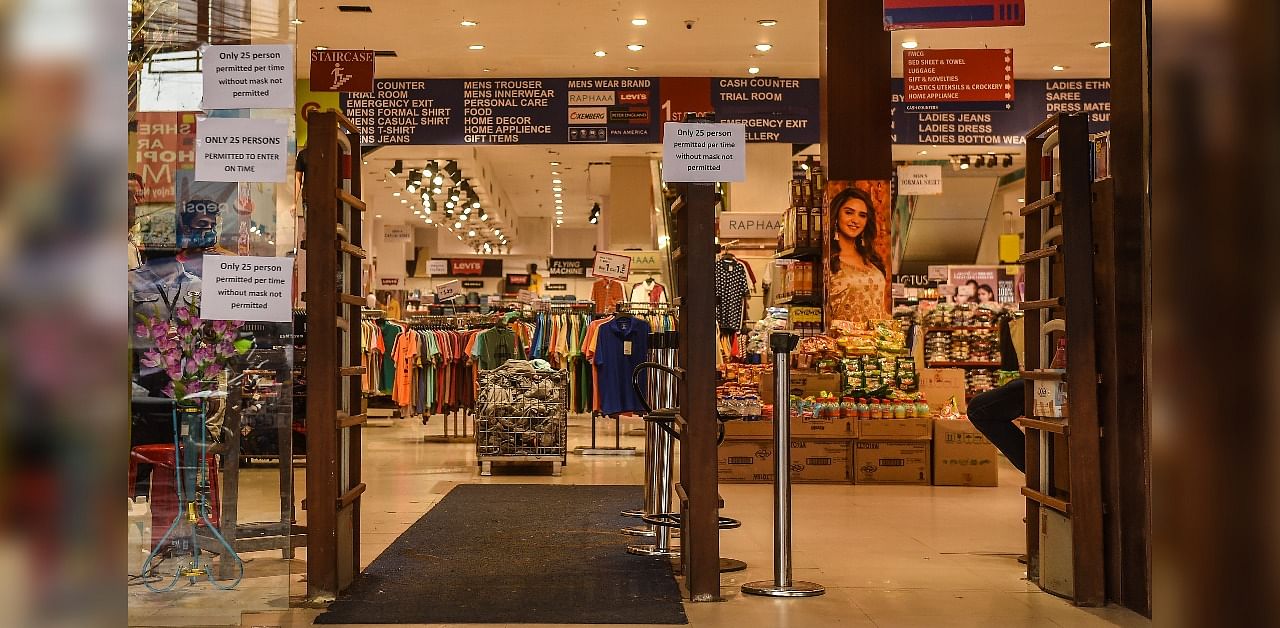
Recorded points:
(888, 555)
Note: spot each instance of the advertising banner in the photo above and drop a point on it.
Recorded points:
(1036, 100)
(856, 245)
(467, 267)
(985, 284)
(166, 143)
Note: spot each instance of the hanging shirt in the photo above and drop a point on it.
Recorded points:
(496, 346)
(605, 293)
(390, 331)
(623, 344)
(648, 292)
(731, 291)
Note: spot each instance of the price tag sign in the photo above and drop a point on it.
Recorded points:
(525, 296)
(611, 265)
(449, 290)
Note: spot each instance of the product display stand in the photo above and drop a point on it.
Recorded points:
(522, 417)
(782, 585)
(1063, 477)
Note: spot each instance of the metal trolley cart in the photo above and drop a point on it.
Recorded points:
(522, 416)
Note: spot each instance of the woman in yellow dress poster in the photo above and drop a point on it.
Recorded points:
(858, 238)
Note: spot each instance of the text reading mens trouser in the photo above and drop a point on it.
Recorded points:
(993, 412)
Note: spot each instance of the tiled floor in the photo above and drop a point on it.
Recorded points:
(888, 555)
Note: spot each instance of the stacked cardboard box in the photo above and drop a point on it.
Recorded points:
(893, 451)
(812, 461)
(962, 456)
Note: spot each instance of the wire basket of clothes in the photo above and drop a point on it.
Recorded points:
(522, 411)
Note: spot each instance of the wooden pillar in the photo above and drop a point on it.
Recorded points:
(700, 533)
(855, 90)
(1123, 341)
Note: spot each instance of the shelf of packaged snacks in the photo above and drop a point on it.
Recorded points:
(940, 364)
(799, 299)
(798, 252)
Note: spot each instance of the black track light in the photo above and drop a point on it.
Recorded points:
(1007, 161)
(964, 162)
(991, 161)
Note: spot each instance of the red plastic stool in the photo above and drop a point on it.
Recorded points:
(164, 494)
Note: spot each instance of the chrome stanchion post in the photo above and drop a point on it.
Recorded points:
(654, 398)
(782, 344)
(664, 453)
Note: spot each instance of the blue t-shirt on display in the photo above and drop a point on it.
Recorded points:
(623, 344)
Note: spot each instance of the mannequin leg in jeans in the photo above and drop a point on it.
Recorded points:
(993, 412)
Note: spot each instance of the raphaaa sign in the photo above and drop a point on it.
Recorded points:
(342, 70)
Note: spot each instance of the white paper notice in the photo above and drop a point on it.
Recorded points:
(244, 288)
(242, 150)
(704, 153)
(248, 77)
(919, 180)
(449, 290)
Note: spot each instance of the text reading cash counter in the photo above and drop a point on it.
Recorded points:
(249, 277)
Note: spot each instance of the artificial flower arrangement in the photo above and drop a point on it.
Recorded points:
(192, 351)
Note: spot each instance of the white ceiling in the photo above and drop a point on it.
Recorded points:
(556, 38)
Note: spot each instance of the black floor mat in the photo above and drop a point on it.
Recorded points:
(516, 553)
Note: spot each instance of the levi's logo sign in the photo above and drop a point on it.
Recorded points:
(633, 97)
(467, 267)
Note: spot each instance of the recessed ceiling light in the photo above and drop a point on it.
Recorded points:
(295, 21)
(395, 194)
(322, 48)
(753, 70)
(555, 163)
(555, 180)
(469, 23)
(633, 48)
(1101, 44)
(639, 21)
(486, 69)
(1059, 68)
(555, 173)
(472, 233)
(557, 195)
(923, 152)
(559, 201)
(557, 189)
(764, 47)
(428, 219)
(404, 200)
(599, 53)
(632, 68)
(910, 44)
(476, 47)
(767, 22)
(377, 215)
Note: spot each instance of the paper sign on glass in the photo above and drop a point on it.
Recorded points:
(248, 77)
(245, 288)
(248, 150)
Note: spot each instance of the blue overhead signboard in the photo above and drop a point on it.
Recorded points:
(900, 14)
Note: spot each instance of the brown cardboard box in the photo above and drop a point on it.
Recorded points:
(895, 429)
(812, 461)
(801, 427)
(889, 462)
(804, 383)
(962, 456)
(940, 385)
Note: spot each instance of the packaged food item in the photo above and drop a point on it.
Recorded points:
(864, 408)
(907, 381)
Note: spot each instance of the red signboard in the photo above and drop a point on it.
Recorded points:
(899, 14)
(165, 144)
(957, 79)
(342, 70)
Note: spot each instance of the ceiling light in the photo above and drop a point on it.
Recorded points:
(923, 152)
(1022, 200)
(910, 44)
(457, 225)
(1059, 68)
(295, 21)
(1101, 44)
(557, 189)
(437, 181)
(395, 194)
(557, 195)
(991, 161)
(469, 23)
(767, 22)
(396, 168)
(632, 68)
(486, 69)
(599, 53)
(555, 180)
(554, 163)
(377, 215)
(472, 233)
(639, 21)
(475, 205)
(555, 173)
(1007, 161)
(635, 47)
(321, 47)
(453, 198)
(764, 47)
(964, 162)
(753, 70)
(484, 217)
(559, 201)
(475, 47)
(449, 204)
(404, 200)
(559, 212)
(428, 219)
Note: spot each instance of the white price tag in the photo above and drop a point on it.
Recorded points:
(449, 290)
(611, 265)
(626, 347)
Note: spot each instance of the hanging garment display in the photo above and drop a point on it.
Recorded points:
(732, 291)
(605, 293)
(622, 344)
(648, 291)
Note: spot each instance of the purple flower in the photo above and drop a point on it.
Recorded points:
(183, 314)
(173, 369)
(159, 328)
(166, 344)
(141, 330)
(195, 321)
(168, 389)
(213, 370)
(226, 349)
(205, 354)
(184, 330)
(193, 388)
(189, 366)
(152, 359)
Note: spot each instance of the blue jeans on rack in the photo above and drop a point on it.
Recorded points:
(993, 412)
